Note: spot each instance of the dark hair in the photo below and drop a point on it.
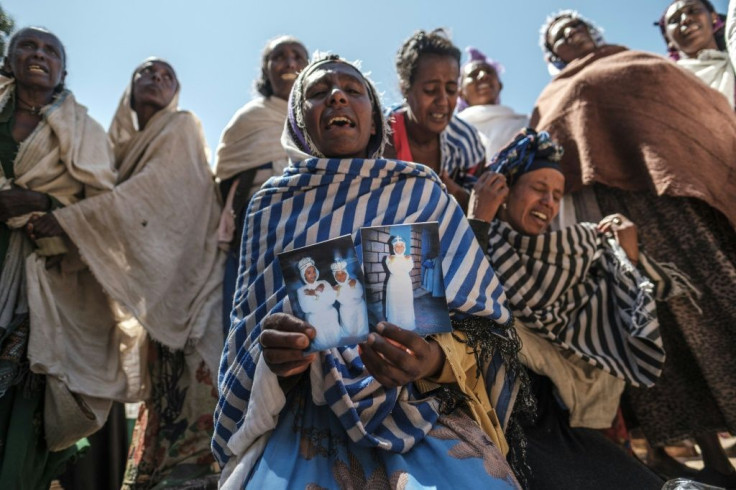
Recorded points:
(719, 31)
(420, 43)
(263, 84)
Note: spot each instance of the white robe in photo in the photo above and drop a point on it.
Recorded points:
(399, 292)
(321, 313)
(353, 312)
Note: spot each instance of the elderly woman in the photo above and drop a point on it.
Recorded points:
(155, 253)
(480, 102)
(66, 160)
(572, 292)
(424, 128)
(634, 144)
(368, 415)
(694, 34)
(250, 149)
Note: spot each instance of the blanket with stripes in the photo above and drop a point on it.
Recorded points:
(576, 288)
(315, 200)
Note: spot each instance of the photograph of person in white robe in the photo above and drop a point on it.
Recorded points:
(317, 301)
(399, 290)
(353, 312)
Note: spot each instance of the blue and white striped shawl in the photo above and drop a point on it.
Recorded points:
(315, 200)
(576, 288)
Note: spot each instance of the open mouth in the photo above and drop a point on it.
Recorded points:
(340, 122)
(37, 69)
(437, 116)
(539, 215)
(288, 76)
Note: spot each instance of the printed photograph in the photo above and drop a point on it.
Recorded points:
(403, 277)
(326, 289)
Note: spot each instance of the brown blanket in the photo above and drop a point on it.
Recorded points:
(637, 121)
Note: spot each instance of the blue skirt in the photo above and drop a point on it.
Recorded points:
(310, 449)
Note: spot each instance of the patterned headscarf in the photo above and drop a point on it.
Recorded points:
(528, 151)
(477, 55)
(555, 64)
(295, 136)
(719, 31)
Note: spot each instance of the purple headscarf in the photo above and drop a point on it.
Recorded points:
(475, 56)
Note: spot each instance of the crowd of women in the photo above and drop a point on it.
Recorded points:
(588, 254)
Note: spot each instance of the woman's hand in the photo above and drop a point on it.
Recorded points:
(283, 339)
(625, 232)
(489, 193)
(396, 357)
(17, 202)
(43, 227)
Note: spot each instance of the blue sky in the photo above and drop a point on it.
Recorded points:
(215, 45)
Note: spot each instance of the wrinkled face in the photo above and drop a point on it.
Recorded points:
(37, 60)
(689, 26)
(154, 84)
(341, 276)
(338, 113)
(480, 84)
(399, 248)
(534, 201)
(285, 61)
(433, 95)
(570, 39)
(310, 274)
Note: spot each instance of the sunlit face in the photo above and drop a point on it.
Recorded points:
(310, 274)
(338, 113)
(433, 94)
(154, 84)
(480, 84)
(534, 201)
(399, 248)
(37, 60)
(689, 26)
(341, 276)
(285, 61)
(570, 39)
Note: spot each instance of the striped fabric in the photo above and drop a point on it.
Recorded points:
(461, 149)
(315, 200)
(576, 288)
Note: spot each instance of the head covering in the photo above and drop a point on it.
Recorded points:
(555, 64)
(125, 121)
(528, 151)
(394, 240)
(475, 56)
(337, 266)
(719, 33)
(297, 142)
(303, 264)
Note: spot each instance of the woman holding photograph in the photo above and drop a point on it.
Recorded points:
(353, 312)
(317, 301)
(386, 412)
(399, 290)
